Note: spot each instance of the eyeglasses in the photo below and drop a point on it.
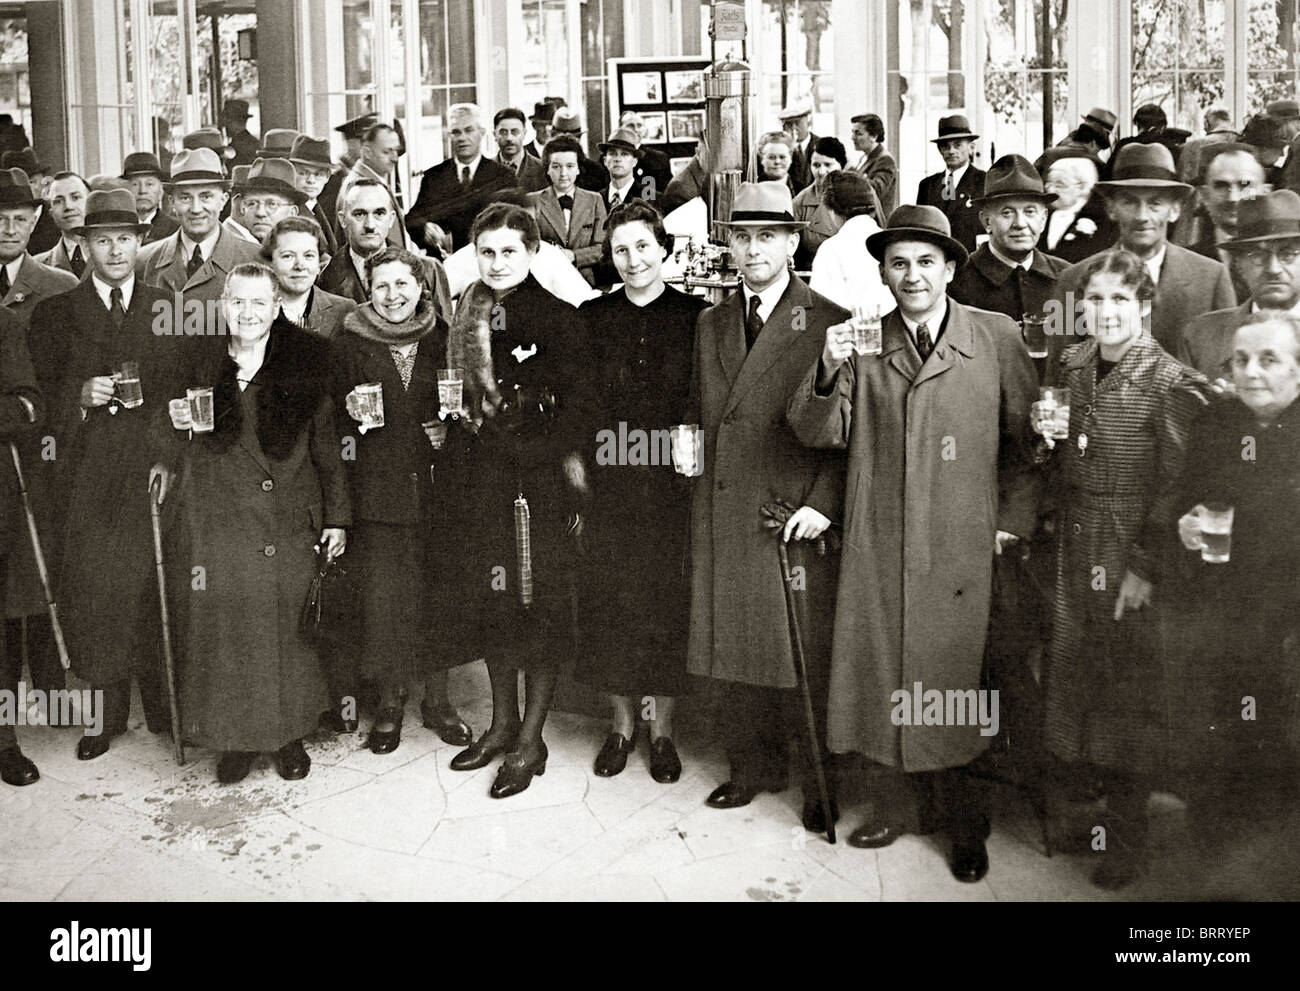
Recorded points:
(1286, 254)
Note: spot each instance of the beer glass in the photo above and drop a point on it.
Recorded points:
(436, 431)
(365, 404)
(178, 409)
(1050, 416)
(201, 414)
(1216, 533)
(126, 385)
(865, 322)
(687, 448)
(1034, 328)
(451, 391)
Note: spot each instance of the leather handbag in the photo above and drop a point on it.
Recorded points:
(332, 613)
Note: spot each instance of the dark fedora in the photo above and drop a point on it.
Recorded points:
(210, 138)
(356, 128)
(1270, 217)
(110, 208)
(239, 179)
(25, 160)
(917, 223)
(951, 128)
(1101, 118)
(624, 139)
(307, 150)
(1143, 166)
(566, 121)
(235, 110)
(275, 175)
(16, 189)
(543, 112)
(277, 142)
(142, 163)
(763, 204)
(1013, 175)
(197, 167)
(1283, 109)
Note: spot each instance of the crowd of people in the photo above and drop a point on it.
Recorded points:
(308, 376)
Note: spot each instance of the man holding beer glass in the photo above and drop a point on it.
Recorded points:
(82, 342)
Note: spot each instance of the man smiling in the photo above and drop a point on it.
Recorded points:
(66, 201)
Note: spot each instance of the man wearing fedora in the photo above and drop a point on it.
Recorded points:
(277, 142)
(46, 233)
(1143, 198)
(1266, 248)
(198, 257)
(508, 126)
(939, 482)
(877, 164)
(143, 172)
(312, 164)
(954, 190)
(353, 132)
(592, 176)
(621, 156)
(270, 194)
(79, 339)
(234, 120)
(572, 219)
(1093, 136)
(24, 281)
(796, 121)
(543, 114)
(66, 202)
(454, 191)
(654, 163)
(234, 223)
(750, 352)
(1007, 273)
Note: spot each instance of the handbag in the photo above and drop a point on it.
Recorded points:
(332, 613)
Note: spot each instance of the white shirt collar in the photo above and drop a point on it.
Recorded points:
(1156, 262)
(71, 244)
(206, 246)
(105, 291)
(1007, 261)
(248, 360)
(472, 166)
(932, 322)
(621, 191)
(13, 267)
(769, 297)
(151, 218)
(957, 176)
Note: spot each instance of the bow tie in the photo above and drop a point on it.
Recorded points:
(566, 202)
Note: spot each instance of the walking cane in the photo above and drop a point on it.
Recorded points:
(801, 671)
(178, 748)
(41, 570)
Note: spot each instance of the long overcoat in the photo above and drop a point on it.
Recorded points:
(739, 630)
(937, 463)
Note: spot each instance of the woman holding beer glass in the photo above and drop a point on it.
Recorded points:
(1130, 409)
(260, 485)
(520, 511)
(386, 362)
(641, 337)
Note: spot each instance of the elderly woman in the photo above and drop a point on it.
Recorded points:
(844, 270)
(809, 206)
(252, 500)
(401, 534)
(1244, 453)
(522, 482)
(1131, 406)
(775, 154)
(637, 597)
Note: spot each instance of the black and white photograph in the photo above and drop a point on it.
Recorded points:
(876, 480)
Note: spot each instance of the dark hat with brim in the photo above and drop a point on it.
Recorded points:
(910, 222)
(307, 150)
(764, 204)
(1101, 118)
(24, 159)
(1013, 176)
(16, 189)
(142, 163)
(1142, 165)
(239, 179)
(952, 128)
(277, 143)
(543, 112)
(623, 139)
(110, 208)
(236, 110)
(356, 128)
(275, 175)
(1272, 216)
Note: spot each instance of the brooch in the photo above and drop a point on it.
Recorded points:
(19, 297)
(1083, 444)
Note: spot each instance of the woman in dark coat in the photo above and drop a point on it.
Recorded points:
(1131, 406)
(400, 537)
(251, 501)
(637, 586)
(522, 482)
(1244, 614)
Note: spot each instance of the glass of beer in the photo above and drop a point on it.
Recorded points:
(178, 408)
(436, 431)
(1216, 533)
(126, 385)
(865, 322)
(201, 415)
(451, 391)
(687, 446)
(1050, 416)
(365, 404)
(1034, 328)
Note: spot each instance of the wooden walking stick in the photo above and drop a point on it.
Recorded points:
(155, 502)
(41, 570)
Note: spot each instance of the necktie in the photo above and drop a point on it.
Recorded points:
(947, 192)
(405, 363)
(615, 200)
(78, 263)
(923, 343)
(1018, 287)
(115, 308)
(464, 175)
(195, 262)
(753, 323)
(4, 281)
(566, 202)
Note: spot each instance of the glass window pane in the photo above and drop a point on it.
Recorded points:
(1178, 48)
(1271, 53)
(1025, 72)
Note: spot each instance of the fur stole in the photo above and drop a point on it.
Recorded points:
(469, 347)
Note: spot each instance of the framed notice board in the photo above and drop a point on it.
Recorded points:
(668, 93)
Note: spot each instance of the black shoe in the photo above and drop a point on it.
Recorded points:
(16, 769)
(385, 741)
(665, 765)
(612, 758)
(292, 761)
(448, 725)
(234, 766)
(734, 794)
(970, 861)
(873, 835)
(482, 754)
(90, 747)
(516, 774)
(332, 722)
(814, 820)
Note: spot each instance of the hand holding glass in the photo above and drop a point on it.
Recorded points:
(451, 392)
(1050, 416)
(126, 385)
(866, 325)
(201, 413)
(1208, 528)
(365, 404)
(687, 448)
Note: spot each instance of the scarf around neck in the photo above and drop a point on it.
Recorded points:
(366, 322)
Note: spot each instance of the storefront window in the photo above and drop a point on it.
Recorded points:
(797, 60)
(1026, 80)
(1177, 59)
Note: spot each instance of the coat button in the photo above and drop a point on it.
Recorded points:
(1078, 528)
(729, 419)
(269, 550)
(722, 486)
(267, 485)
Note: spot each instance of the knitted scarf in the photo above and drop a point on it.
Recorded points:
(366, 322)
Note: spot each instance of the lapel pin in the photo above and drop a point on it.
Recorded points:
(1083, 444)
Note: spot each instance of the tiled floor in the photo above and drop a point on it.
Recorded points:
(132, 825)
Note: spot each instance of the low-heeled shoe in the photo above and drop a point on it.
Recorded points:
(90, 747)
(292, 761)
(234, 766)
(735, 794)
(874, 835)
(16, 768)
(970, 862)
(612, 758)
(665, 765)
(448, 724)
(516, 774)
(480, 755)
(385, 741)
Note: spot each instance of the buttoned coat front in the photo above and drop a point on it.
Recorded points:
(162, 265)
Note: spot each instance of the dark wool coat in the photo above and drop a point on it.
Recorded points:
(1105, 692)
(963, 216)
(739, 629)
(937, 463)
(17, 378)
(987, 283)
(250, 502)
